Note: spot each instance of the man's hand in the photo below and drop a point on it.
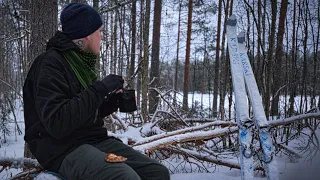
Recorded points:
(112, 82)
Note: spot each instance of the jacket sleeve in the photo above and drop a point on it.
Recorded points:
(61, 114)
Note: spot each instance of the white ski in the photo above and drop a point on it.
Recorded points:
(260, 119)
(241, 102)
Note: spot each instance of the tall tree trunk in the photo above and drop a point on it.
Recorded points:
(43, 18)
(133, 38)
(43, 25)
(258, 73)
(96, 6)
(112, 39)
(317, 51)
(315, 42)
(115, 43)
(145, 64)
(293, 64)
(305, 70)
(269, 67)
(287, 69)
(264, 59)
(105, 54)
(224, 60)
(277, 78)
(217, 64)
(154, 71)
(177, 57)
(187, 61)
(140, 53)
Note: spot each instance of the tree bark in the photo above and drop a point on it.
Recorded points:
(217, 64)
(187, 61)
(96, 6)
(277, 78)
(155, 61)
(177, 57)
(133, 39)
(293, 64)
(140, 54)
(145, 64)
(43, 26)
(269, 68)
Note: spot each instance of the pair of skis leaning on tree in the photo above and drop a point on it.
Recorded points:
(244, 85)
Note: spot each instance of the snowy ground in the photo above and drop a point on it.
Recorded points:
(302, 169)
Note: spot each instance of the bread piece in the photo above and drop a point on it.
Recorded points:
(114, 158)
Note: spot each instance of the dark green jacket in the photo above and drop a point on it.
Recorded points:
(59, 114)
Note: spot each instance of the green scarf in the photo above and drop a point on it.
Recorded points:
(83, 65)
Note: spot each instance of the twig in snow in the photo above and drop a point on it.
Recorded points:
(25, 174)
(19, 162)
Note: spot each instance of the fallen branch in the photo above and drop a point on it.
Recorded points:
(289, 151)
(169, 104)
(292, 119)
(19, 163)
(182, 131)
(206, 157)
(26, 174)
(200, 120)
(187, 137)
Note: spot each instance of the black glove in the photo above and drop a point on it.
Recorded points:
(112, 82)
(109, 105)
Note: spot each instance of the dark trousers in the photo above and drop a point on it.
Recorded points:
(87, 162)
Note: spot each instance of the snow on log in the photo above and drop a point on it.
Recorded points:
(187, 137)
(181, 131)
(19, 162)
(292, 119)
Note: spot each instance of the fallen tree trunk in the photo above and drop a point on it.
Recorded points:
(280, 122)
(187, 137)
(182, 131)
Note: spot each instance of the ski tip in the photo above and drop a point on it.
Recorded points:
(232, 21)
(241, 37)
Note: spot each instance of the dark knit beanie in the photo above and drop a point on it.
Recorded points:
(79, 20)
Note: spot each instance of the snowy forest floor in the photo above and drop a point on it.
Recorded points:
(300, 169)
(304, 168)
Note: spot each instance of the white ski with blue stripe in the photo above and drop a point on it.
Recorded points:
(260, 119)
(241, 102)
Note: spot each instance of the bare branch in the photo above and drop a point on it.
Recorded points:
(187, 137)
(182, 131)
(205, 157)
(115, 6)
(4, 82)
(292, 119)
